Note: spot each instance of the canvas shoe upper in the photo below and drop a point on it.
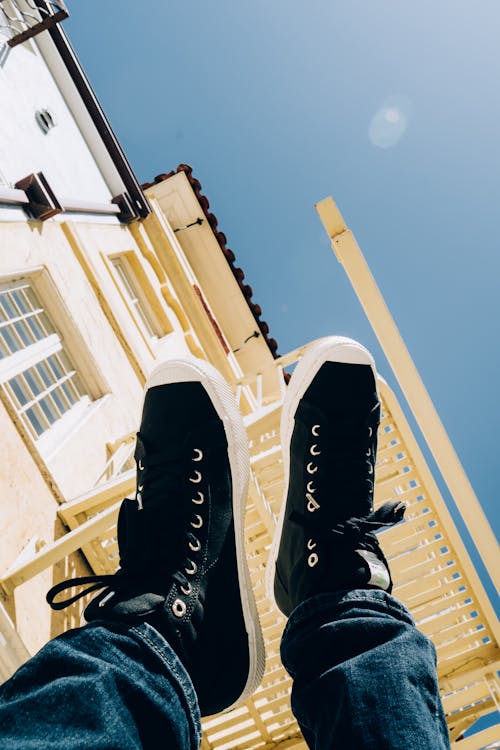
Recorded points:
(324, 540)
(182, 562)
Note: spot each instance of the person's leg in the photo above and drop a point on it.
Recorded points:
(181, 602)
(364, 677)
(101, 686)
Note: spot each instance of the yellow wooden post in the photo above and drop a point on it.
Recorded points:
(349, 255)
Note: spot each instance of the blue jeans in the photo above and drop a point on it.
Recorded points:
(364, 677)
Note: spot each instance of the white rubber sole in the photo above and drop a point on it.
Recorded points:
(331, 349)
(191, 369)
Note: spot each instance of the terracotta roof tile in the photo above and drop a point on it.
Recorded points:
(221, 238)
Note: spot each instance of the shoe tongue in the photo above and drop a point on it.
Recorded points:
(137, 606)
(172, 449)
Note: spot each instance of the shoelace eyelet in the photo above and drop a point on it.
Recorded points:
(314, 451)
(191, 571)
(311, 468)
(193, 547)
(310, 487)
(179, 608)
(199, 522)
(197, 477)
(315, 430)
(186, 590)
(198, 454)
(312, 505)
(312, 560)
(199, 500)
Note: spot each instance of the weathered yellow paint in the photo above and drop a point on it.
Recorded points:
(348, 253)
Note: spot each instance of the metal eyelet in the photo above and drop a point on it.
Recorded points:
(370, 432)
(179, 608)
(368, 452)
(312, 560)
(200, 500)
(199, 522)
(197, 477)
(314, 452)
(140, 506)
(310, 488)
(195, 548)
(312, 505)
(191, 571)
(198, 454)
(141, 465)
(187, 590)
(140, 487)
(311, 468)
(370, 469)
(311, 544)
(315, 430)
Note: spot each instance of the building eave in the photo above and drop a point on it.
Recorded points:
(131, 185)
(229, 255)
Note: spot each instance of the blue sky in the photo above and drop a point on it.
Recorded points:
(391, 107)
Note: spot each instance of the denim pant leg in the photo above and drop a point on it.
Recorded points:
(101, 687)
(364, 676)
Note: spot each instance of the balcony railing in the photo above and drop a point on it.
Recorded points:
(24, 19)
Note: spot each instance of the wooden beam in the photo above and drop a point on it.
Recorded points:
(349, 255)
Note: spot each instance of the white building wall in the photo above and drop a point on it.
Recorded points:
(62, 154)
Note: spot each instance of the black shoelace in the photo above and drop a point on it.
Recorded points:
(159, 477)
(353, 531)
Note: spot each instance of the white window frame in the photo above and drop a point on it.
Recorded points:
(136, 300)
(18, 362)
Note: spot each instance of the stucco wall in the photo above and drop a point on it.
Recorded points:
(62, 154)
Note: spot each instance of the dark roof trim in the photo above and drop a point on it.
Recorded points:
(99, 119)
(228, 254)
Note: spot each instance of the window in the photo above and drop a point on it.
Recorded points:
(135, 298)
(35, 370)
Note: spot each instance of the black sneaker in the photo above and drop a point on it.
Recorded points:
(182, 558)
(324, 539)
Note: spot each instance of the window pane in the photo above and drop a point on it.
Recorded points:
(33, 382)
(61, 404)
(46, 324)
(13, 345)
(70, 392)
(55, 366)
(19, 388)
(23, 332)
(45, 373)
(7, 305)
(20, 300)
(132, 288)
(45, 386)
(33, 418)
(31, 298)
(48, 409)
(35, 328)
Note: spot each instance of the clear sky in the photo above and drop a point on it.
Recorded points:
(392, 107)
